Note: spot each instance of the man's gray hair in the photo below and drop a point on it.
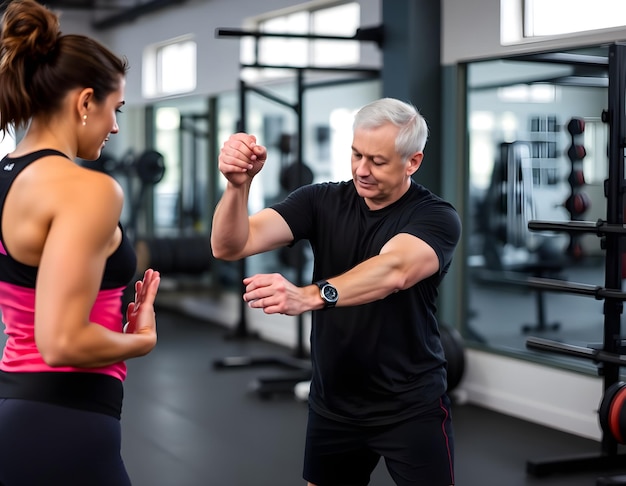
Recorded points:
(413, 128)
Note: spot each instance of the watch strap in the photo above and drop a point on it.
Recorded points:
(322, 284)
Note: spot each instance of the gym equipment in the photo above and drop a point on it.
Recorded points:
(296, 176)
(576, 178)
(577, 204)
(197, 134)
(578, 201)
(454, 351)
(292, 176)
(612, 413)
(188, 255)
(576, 126)
(509, 200)
(148, 169)
(149, 166)
(541, 270)
(507, 208)
(608, 355)
(576, 152)
(293, 173)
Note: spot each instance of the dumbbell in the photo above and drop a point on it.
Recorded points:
(576, 126)
(576, 178)
(576, 152)
(577, 203)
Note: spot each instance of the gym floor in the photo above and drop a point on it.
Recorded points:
(186, 423)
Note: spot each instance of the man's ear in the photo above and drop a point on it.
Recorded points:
(414, 163)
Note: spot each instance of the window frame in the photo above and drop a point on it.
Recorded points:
(516, 30)
(251, 51)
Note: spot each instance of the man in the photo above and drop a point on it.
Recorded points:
(381, 245)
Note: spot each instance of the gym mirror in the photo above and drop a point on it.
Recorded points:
(537, 150)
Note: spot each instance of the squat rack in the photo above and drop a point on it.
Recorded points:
(299, 360)
(609, 356)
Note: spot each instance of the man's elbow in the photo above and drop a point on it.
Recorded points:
(399, 283)
(223, 254)
(217, 250)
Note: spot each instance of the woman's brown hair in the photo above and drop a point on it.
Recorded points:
(39, 65)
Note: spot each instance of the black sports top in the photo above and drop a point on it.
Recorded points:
(23, 372)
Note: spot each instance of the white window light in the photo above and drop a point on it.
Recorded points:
(523, 93)
(342, 20)
(524, 20)
(169, 68)
(314, 18)
(284, 50)
(7, 144)
(557, 17)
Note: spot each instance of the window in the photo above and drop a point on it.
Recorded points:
(167, 192)
(169, 68)
(534, 19)
(326, 19)
(7, 144)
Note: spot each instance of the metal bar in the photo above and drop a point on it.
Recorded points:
(543, 344)
(575, 351)
(614, 215)
(300, 350)
(272, 97)
(581, 81)
(242, 329)
(564, 286)
(600, 227)
(258, 34)
(366, 70)
(336, 82)
(566, 58)
(575, 288)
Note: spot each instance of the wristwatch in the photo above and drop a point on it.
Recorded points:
(328, 292)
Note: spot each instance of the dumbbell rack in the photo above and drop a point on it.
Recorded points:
(577, 202)
(610, 356)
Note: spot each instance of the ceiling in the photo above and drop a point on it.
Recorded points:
(72, 4)
(111, 13)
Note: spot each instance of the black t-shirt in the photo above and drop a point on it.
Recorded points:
(380, 362)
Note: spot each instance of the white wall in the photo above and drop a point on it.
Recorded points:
(558, 399)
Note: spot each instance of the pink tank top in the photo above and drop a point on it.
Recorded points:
(17, 292)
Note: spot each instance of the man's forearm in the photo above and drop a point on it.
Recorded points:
(371, 280)
(403, 262)
(230, 228)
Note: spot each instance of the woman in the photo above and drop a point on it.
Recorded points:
(64, 260)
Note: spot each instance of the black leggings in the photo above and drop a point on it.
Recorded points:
(45, 444)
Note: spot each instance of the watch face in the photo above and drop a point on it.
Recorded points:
(330, 293)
